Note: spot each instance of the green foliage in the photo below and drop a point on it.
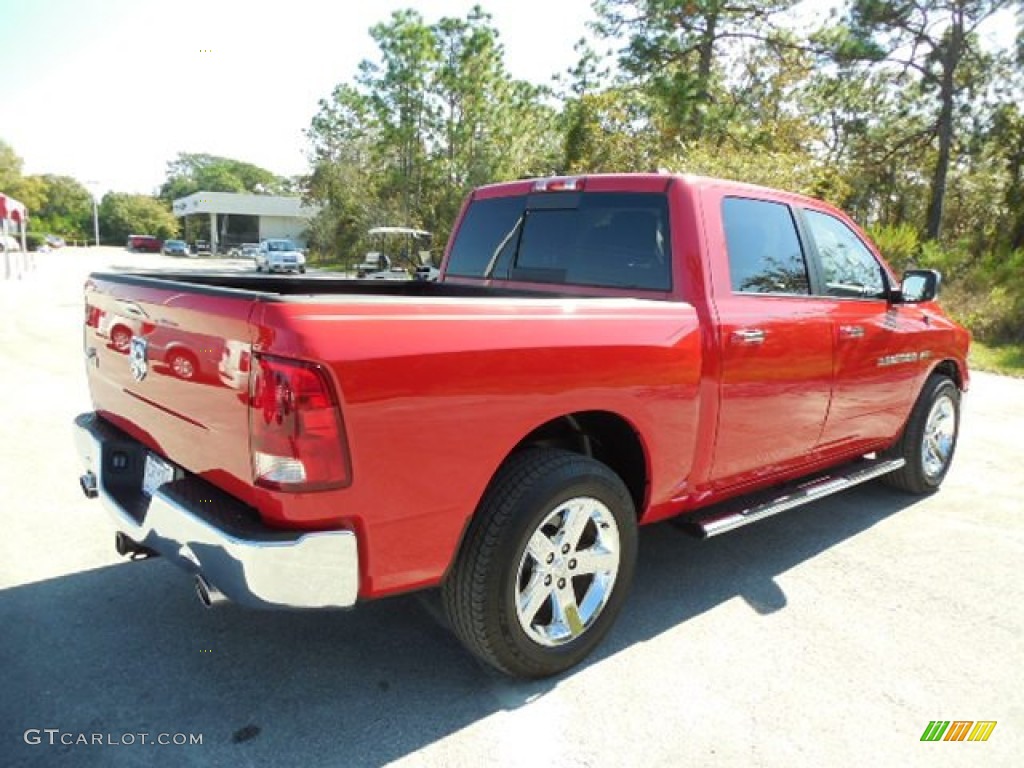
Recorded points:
(900, 244)
(10, 168)
(679, 50)
(122, 215)
(897, 112)
(436, 115)
(931, 53)
(57, 204)
(999, 358)
(191, 173)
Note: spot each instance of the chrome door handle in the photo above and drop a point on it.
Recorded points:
(749, 336)
(851, 332)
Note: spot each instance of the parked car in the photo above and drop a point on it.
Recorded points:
(55, 241)
(175, 248)
(188, 356)
(250, 250)
(280, 256)
(201, 246)
(601, 352)
(144, 243)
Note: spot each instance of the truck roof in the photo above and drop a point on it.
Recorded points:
(636, 182)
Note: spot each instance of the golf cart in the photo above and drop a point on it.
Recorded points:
(410, 249)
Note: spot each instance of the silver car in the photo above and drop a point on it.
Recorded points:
(280, 256)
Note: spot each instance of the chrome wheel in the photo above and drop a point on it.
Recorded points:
(939, 437)
(567, 571)
(183, 367)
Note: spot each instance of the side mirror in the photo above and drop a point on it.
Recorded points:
(919, 285)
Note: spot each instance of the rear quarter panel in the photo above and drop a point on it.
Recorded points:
(436, 395)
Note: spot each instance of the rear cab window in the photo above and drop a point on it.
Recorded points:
(616, 240)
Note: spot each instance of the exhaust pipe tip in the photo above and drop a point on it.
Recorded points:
(208, 594)
(87, 482)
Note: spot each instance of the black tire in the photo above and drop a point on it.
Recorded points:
(928, 457)
(535, 492)
(259, 268)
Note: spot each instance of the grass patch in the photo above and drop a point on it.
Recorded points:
(1007, 359)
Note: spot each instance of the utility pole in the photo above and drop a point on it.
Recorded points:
(94, 187)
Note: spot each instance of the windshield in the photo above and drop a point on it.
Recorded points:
(280, 245)
(601, 239)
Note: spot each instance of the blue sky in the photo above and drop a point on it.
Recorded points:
(109, 91)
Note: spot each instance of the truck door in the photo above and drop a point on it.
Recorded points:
(775, 339)
(880, 347)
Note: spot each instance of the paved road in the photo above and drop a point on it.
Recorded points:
(831, 635)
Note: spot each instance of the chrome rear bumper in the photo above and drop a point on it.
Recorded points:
(212, 534)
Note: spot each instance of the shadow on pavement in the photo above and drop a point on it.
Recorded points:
(128, 649)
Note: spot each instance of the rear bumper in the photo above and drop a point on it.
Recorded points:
(209, 533)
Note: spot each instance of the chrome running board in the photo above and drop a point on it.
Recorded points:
(731, 515)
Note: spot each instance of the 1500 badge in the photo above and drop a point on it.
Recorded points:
(904, 357)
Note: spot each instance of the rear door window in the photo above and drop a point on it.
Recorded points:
(765, 255)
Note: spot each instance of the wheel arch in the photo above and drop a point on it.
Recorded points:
(120, 325)
(603, 435)
(952, 369)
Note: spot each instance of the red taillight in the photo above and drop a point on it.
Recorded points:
(295, 428)
(559, 184)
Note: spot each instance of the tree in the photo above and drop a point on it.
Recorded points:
(122, 215)
(434, 116)
(191, 173)
(58, 204)
(10, 168)
(930, 44)
(345, 177)
(1008, 140)
(674, 49)
(399, 97)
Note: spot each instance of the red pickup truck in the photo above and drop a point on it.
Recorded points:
(601, 352)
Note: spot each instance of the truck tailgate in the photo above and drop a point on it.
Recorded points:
(169, 364)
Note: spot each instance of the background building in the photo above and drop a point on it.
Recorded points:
(229, 219)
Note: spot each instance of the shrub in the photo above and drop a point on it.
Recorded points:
(899, 244)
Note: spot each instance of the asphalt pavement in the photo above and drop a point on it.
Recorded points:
(831, 635)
